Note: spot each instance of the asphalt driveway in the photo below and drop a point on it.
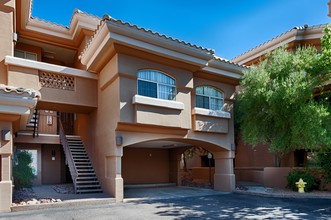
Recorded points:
(220, 206)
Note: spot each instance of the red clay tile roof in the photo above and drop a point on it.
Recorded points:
(109, 18)
(304, 27)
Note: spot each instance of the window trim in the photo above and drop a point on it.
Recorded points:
(211, 113)
(25, 54)
(209, 97)
(163, 103)
(157, 84)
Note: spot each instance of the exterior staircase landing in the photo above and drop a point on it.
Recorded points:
(86, 180)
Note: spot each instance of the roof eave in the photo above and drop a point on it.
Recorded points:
(297, 33)
(110, 32)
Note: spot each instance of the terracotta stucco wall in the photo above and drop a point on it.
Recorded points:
(143, 165)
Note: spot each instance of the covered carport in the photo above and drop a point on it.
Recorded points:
(156, 162)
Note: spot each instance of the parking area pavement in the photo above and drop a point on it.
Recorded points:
(131, 194)
(219, 206)
(156, 193)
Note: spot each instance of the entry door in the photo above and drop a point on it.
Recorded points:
(67, 120)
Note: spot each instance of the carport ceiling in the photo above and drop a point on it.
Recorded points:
(160, 144)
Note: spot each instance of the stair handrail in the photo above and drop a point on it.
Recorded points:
(68, 154)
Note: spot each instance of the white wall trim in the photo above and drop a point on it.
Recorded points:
(212, 113)
(144, 100)
(15, 61)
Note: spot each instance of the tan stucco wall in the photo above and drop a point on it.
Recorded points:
(143, 165)
(211, 124)
(23, 77)
(6, 36)
(85, 93)
(129, 66)
(105, 156)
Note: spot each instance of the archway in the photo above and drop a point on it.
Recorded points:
(158, 161)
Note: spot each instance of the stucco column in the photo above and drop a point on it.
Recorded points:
(114, 175)
(224, 178)
(6, 150)
(5, 183)
(174, 169)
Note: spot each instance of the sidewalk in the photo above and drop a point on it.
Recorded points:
(256, 189)
(46, 196)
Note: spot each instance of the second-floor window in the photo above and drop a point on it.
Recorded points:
(209, 98)
(25, 54)
(156, 84)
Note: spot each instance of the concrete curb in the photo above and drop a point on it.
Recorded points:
(274, 195)
(68, 203)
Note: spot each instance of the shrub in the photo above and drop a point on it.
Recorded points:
(324, 158)
(306, 176)
(22, 170)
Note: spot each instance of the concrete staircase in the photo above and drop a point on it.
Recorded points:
(32, 126)
(86, 180)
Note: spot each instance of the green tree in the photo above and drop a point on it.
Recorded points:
(22, 170)
(276, 104)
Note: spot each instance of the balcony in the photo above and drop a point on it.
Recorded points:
(62, 88)
(159, 112)
(206, 120)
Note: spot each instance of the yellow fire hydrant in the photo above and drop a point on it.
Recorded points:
(301, 185)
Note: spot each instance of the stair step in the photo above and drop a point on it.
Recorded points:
(89, 186)
(86, 175)
(82, 178)
(84, 166)
(79, 153)
(85, 171)
(89, 191)
(76, 145)
(77, 150)
(88, 181)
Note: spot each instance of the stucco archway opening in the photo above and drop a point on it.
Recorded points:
(161, 162)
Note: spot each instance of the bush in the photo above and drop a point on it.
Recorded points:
(306, 176)
(22, 170)
(324, 158)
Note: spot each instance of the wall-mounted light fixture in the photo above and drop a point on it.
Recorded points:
(119, 140)
(5, 135)
(53, 154)
(233, 147)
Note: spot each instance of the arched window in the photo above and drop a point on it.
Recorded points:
(155, 84)
(209, 98)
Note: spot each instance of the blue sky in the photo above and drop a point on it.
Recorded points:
(230, 27)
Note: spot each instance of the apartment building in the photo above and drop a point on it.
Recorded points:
(104, 103)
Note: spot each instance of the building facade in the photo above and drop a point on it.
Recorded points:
(104, 103)
(258, 164)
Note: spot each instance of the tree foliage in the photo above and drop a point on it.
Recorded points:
(276, 102)
(22, 170)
